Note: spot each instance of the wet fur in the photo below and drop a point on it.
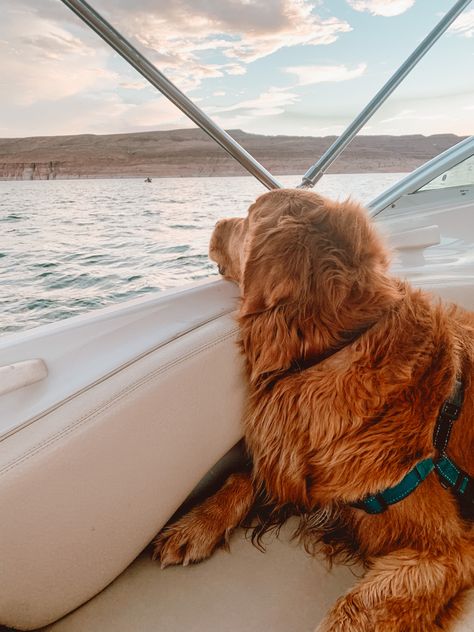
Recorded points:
(347, 368)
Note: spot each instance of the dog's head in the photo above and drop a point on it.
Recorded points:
(296, 247)
(312, 273)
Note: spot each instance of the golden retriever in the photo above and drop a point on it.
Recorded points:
(348, 369)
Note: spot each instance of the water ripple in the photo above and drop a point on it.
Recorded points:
(72, 246)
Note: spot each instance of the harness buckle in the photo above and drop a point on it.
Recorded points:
(443, 482)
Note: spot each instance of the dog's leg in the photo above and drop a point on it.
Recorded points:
(405, 591)
(197, 534)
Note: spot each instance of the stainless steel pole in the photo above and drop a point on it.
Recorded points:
(317, 171)
(123, 47)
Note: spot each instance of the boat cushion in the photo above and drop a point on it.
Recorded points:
(88, 485)
(281, 590)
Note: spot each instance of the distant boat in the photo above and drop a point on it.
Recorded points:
(147, 180)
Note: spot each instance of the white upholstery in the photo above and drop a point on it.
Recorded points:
(86, 487)
(80, 351)
(282, 590)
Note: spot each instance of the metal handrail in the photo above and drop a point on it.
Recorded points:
(423, 174)
(317, 171)
(126, 50)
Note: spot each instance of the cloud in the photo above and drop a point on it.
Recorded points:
(412, 115)
(55, 82)
(85, 114)
(234, 69)
(178, 36)
(157, 114)
(241, 31)
(429, 115)
(464, 24)
(41, 60)
(269, 103)
(54, 45)
(387, 8)
(323, 74)
(133, 85)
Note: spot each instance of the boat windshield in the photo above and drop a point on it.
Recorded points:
(460, 175)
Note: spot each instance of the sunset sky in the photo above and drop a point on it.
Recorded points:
(264, 66)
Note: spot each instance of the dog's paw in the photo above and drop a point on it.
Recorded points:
(189, 540)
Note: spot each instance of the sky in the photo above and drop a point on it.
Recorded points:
(291, 67)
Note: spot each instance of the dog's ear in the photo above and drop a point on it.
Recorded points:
(281, 264)
(275, 269)
(304, 249)
(312, 272)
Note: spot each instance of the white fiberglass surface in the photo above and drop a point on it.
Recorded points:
(439, 166)
(460, 175)
(433, 235)
(81, 351)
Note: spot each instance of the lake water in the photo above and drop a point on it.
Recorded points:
(70, 246)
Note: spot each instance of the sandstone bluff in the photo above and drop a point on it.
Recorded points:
(189, 152)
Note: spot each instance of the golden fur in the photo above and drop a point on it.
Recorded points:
(348, 368)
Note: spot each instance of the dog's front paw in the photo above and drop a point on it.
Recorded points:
(191, 539)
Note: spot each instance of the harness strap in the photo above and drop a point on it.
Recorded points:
(450, 475)
(448, 414)
(378, 503)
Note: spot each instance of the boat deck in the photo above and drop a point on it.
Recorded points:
(281, 590)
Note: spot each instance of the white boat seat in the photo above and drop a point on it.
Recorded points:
(281, 590)
(88, 485)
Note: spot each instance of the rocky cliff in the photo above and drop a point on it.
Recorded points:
(190, 152)
(29, 170)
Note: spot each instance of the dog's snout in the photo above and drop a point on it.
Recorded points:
(225, 247)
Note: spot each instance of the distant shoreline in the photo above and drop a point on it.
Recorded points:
(64, 178)
(190, 153)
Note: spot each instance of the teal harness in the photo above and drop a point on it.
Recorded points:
(450, 475)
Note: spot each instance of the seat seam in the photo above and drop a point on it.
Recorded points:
(104, 406)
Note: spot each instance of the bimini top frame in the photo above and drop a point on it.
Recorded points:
(108, 33)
